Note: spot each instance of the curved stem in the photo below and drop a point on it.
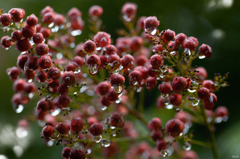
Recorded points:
(211, 133)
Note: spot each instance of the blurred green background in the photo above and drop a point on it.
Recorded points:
(214, 22)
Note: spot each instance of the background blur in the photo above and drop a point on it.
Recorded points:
(214, 22)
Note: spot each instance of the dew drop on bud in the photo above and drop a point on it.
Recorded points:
(55, 112)
(187, 52)
(151, 31)
(173, 53)
(88, 151)
(128, 19)
(103, 107)
(105, 142)
(30, 81)
(21, 132)
(194, 101)
(59, 55)
(97, 139)
(75, 93)
(112, 127)
(118, 89)
(41, 123)
(201, 56)
(164, 96)
(76, 32)
(191, 90)
(19, 108)
(187, 146)
(93, 69)
(72, 45)
(168, 105)
(164, 153)
(50, 143)
(118, 101)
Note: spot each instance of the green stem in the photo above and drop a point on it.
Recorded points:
(141, 102)
(176, 65)
(205, 144)
(211, 133)
(125, 139)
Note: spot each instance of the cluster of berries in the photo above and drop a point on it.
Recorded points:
(77, 83)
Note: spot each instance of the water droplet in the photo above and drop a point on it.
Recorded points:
(75, 93)
(19, 108)
(187, 52)
(128, 19)
(7, 48)
(181, 134)
(209, 119)
(49, 80)
(50, 143)
(93, 69)
(164, 153)
(18, 150)
(112, 127)
(59, 55)
(114, 134)
(194, 101)
(118, 89)
(77, 71)
(201, 56)
(76, 32)
(168, 105)
(173, 53)
(21, 132)
(55, 29)
(51, 25)
(152, 31)
(55, 112)
(103, 107)
(177, 109)
(191, 90)
(41, 123)
(30, 81)
(218, 119)
(97, 139)
(187, 146)
(30, 95)
(72, 45)
(106, 143)
(89, 151)
(164, 96)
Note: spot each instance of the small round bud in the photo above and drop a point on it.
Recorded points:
(62, 128)
(175, 99)
(179, 84)
(47, 131)
(205, 50)
(155, 124)
(203, 93)
(174, 127)
(116, 120)
(76, 125)
(89, 46)
(96, 129)
(64, 101)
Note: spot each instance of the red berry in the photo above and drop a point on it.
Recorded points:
(13, 73)
(102, 39)
(141, 60)
(32, 63)
(140, 22)
(221, 111)
(44, 62)
(129, 9)
(32, 20)
(62, 128)
(209, 85)
(46, 32)
(135, 44)
(42, 105)
(205, 50)
(179, 84)
(160, 103)
(155, 124)
(68, 78)
(151, 24)
(6, 42)
(89, 46)
(38, 38)
(29, 74)
(158, 48)
(17, 14)
(74, 13)
(59, 19)
(189, 155)
(179, 38)
(111, 49)
(28, 31)
(116, 120)
(172, 46)
(201, 74)
(203, 93)
(23, 45)
(30, 87)
(18, 85)
(104, 101)
(156, 61)
(168, 35)
(117, 80)
(46, 10)
(5, 19)
(48, 17)
(78, 61)
(151, 82)
(143, 70)
(77, 154)
(93, 60)
(77, 24)
(183, 116)
(21, 60)
(112, 96)
(41, 49)
(189, 44)
(79, 50)
(174, 127)
(16, 35)
(161, 145)
(95, 11)
(103, 88)
(70, 67)
(127, 61)
(156, 135)
(41, 76)
(39, 114)
(76, 125)
(64, 101)
(165, 88)
(210, 101)
(54, 73)
(135, 78)
(62, 89)
(96, 129)
(66, 151)
(175, 99)
(91, 120)
(48, 131)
